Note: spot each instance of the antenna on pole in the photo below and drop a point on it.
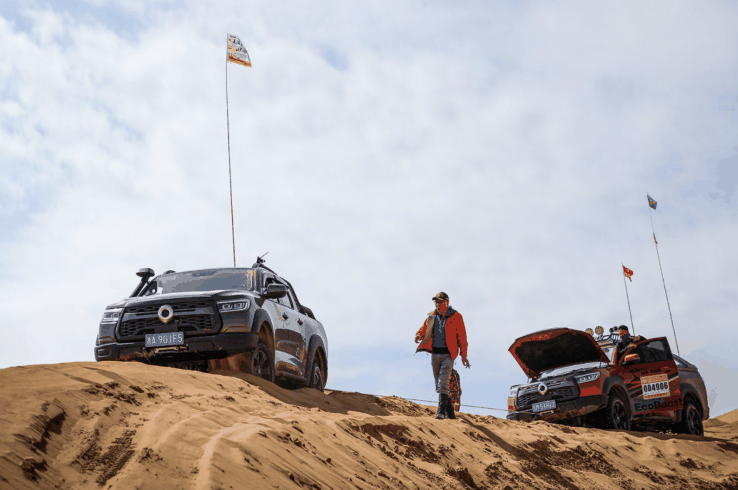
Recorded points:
(628, 298)
(230, 183)
(260, 260)
(235, 53)
(652, 205)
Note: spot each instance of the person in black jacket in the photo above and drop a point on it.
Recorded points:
(625, 342)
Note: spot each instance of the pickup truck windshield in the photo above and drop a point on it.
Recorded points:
(205, 280)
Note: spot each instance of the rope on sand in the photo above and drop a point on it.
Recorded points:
(460, 404)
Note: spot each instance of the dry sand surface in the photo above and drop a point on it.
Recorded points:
(132, 426)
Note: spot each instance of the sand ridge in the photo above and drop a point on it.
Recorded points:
(129, 425)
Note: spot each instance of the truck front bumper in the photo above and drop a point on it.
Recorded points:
(564, 410)
(201, 347)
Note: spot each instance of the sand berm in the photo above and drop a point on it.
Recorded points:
(132, 426)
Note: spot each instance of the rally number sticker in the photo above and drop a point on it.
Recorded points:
(655, 386)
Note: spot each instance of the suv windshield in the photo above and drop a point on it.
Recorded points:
(205, 280)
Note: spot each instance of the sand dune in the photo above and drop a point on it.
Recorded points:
(132, 426)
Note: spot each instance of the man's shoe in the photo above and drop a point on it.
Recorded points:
(441, 407)
(450, 408)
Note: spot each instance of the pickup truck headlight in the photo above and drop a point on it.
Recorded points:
(240, 305)
(586, 378)
(112, 315)
(511, 399)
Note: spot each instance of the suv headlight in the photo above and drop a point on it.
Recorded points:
(586, 378)
(240, 305)
(112, 315)
(511, 399)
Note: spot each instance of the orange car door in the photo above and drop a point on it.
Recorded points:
(655, 380)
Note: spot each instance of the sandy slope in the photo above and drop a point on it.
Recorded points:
(128, 426)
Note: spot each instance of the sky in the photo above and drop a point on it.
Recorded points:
(381, 152)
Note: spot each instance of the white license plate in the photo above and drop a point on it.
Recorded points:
(162, 339)
(543, 406)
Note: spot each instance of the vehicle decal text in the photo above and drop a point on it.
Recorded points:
(647, 407)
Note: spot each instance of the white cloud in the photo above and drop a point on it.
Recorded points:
(500, 153)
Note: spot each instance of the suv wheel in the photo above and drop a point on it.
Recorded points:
(691, 420)
(617, 413)
(261, 363)
(317, 379)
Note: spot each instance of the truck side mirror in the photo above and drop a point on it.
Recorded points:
(275, 290)
(631, 359)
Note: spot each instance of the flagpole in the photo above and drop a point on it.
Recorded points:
(626, 297)
(656, 244)
(230, 182)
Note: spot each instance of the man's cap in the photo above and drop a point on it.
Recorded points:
(440, 297)
(622, 327)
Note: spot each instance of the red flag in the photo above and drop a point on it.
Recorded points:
(627, 273)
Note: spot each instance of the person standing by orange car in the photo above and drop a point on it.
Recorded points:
(443, 335)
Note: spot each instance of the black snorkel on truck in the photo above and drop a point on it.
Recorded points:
(145, 274)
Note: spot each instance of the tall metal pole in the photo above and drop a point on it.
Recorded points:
(626, 297)
(656, 244)
(230, 183)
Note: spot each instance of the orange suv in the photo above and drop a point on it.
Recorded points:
(572, 379)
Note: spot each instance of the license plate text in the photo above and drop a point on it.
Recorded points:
(161, 339)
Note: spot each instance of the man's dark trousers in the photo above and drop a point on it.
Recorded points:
(442, 367)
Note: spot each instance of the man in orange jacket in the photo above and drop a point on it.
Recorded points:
(443, 335)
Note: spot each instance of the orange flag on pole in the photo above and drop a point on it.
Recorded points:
(627, 273)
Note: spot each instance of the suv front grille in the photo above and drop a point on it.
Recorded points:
(561, 393)
(196, 317)
(185, 306)
(189, 323)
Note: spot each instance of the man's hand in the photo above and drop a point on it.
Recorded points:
(465, 362)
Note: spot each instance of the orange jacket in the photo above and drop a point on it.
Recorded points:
(455, 334)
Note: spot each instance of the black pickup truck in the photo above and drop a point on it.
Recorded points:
(239, 319)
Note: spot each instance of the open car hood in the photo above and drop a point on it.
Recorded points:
(555, 348)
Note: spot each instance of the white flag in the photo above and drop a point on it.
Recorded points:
(237, 52)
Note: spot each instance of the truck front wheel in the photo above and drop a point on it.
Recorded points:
(616, 413)
(261, 363)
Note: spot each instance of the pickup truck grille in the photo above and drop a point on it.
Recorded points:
(563, 393)
(196, 317)
(177, 307)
